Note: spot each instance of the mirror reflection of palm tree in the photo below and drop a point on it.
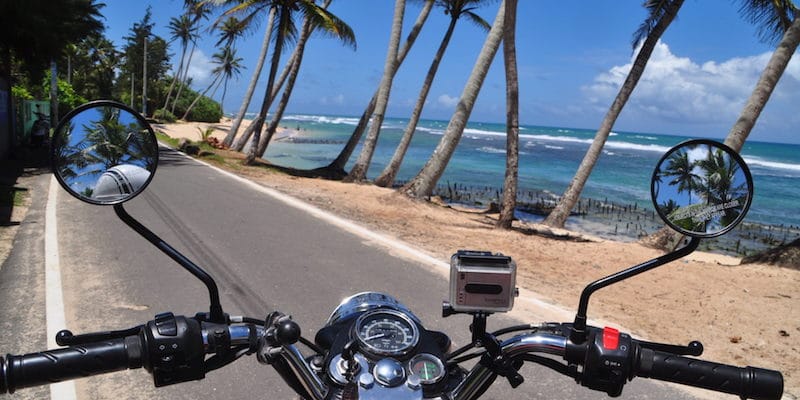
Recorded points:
(682, 170)
(105, 142)
(721, 184)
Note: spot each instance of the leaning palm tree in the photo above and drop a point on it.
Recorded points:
(337, 165)
(359, 170)
(778, 19)
(181, 29)
(682, 171)
(310, 24)
(660, 15)
(249, 21)
(285, 30)
(197, 12)
(509, 203)
(455, 9)
(424, 182)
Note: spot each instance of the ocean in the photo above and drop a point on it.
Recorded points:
(549, 157)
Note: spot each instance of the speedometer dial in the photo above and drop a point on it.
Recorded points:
(386, 333)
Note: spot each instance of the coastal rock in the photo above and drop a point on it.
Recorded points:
(188, 147)
(787, 256)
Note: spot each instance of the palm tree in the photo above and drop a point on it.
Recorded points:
(455, 9)
(343, 32)
(228, 65)
(251, 88)
(660, 15)
(285, 30)
(682, 170)
(424, 182)
(338, 164)
(777, 19)
(181, 29)
(509, 203)
(197, 11)
(359, 171)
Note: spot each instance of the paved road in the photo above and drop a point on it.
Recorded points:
(264, 255)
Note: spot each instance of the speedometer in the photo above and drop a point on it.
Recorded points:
(386, 333)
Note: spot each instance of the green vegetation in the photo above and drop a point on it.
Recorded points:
(164, 138)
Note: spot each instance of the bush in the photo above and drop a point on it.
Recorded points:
(164, 115)
(206, 110)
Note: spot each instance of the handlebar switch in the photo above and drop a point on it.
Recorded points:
(607, 365)
(175, 351)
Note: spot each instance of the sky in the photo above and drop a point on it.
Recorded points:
(572, 60)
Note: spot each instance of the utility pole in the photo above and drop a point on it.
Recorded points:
(144, 79)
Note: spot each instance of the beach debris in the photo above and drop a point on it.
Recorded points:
(735, 339)
(783, 333)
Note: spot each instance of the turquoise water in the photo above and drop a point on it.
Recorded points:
(549, 157)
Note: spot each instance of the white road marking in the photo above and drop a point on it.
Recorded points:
(54, 297)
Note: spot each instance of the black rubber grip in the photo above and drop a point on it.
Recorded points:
(63, 364)
(747, 382)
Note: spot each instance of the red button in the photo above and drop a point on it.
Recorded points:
(610, 338)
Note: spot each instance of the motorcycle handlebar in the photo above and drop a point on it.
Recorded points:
(747, 382)
(73, 362)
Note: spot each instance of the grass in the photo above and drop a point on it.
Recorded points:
(164, 138)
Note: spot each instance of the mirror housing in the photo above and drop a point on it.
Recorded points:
(104, 153)
(702, 188)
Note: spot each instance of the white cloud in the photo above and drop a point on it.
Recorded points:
(678, 89)
(448, 101)
(200, 70)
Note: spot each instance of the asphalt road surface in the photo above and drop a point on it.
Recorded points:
(264, 255)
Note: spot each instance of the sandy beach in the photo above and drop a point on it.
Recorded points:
(743, 314)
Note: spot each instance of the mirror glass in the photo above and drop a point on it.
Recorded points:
(702, 188)
(104, 153)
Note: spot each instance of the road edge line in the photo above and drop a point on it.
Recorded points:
(54, 295)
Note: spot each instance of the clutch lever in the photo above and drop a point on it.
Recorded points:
(694, 348)
(65, 337)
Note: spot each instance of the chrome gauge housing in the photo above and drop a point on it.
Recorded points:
(386, 333)
(359, 303)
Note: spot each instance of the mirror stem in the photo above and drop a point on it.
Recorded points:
(216, 315)
(578, 334)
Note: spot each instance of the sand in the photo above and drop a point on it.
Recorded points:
(744, 315)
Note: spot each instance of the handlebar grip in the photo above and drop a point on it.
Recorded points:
(747, 382)
(73, 362)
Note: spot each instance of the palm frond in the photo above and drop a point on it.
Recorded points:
(656, 9)
(771, 17)
(478, 20)
(325, 22)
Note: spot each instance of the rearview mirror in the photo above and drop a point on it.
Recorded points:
(702, 188)
(104, 153)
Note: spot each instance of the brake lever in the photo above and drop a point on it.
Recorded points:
(694, 348)
(65, 337)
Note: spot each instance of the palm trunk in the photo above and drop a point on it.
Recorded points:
(341, 160)
(184, 78)
(558, 216)
(386, 178)
(175, 78)
(509, 203)
(228, 141)
(424, 182)
(764, 87)
(259, 124)
(293, 68)
(359, 171)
